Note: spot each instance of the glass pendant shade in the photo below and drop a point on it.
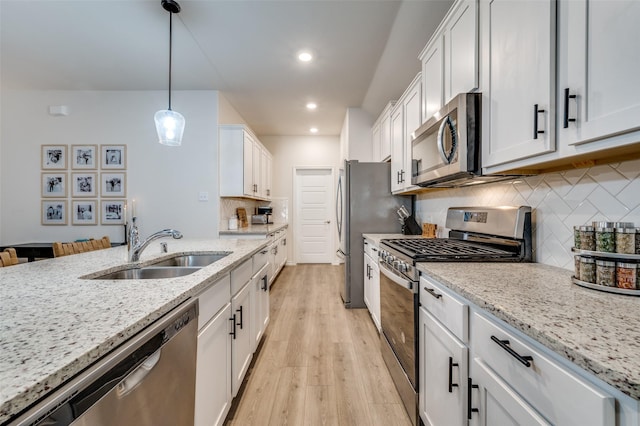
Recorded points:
(170, 127)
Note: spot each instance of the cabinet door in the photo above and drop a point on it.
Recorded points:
(367, 281)
(375, 293)
(375, 142)
(461, 50)
(248, 165)
(385, 135)
(518, 66)
(397, 151)
(241, 339)
(269, 175)
(257, 169)
(596, 64)
(260, 304)
(496, 403)
(443, 375)
(432, 73)
(213, 378)
(412, 104)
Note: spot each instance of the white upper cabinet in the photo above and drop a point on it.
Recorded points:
(244, 164)
(450, 59)
(598, 62)
(381, 134)
(518, 51)
(405, 119)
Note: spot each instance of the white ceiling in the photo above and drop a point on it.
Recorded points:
(366, 52)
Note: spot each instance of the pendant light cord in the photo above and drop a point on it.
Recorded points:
(170, 45)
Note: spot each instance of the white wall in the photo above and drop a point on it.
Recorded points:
(299, 151)
(560, 200)
(165, 181)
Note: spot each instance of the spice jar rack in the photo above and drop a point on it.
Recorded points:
(617, 258)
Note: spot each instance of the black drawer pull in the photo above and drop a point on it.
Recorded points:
(451, 384)
(240, 323)
(233, 321)
(504, 344)
(536, 111)
(566, 119)
(433, 293)
(265, 287)
(470, 409)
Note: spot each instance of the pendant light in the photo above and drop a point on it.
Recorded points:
(170, 124)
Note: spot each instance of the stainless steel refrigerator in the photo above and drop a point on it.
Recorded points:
(364, 205)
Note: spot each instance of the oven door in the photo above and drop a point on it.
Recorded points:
(398, 318)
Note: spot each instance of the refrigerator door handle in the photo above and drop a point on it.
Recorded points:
(339, 208)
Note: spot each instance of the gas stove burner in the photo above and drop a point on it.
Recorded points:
(445, 248)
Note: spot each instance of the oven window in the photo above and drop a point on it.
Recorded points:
(397, 310)
(424, 152)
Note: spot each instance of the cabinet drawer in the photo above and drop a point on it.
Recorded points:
(213, 299)
(241, 276)
(260, 259)
(446, 308)
(555, 392)
(371, 249)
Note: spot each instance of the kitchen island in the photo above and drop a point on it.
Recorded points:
(54, 323)
(596, 331)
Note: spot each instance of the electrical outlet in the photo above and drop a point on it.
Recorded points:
(203, 196)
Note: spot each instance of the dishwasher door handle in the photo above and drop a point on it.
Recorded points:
(129, 383)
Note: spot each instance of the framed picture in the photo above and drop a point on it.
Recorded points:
(84, 184)
(112, 212)
(84, 212)
(54, 212)
(84, 156)
(54, 157)
(113, 185)
(113, 156)
(54, 185)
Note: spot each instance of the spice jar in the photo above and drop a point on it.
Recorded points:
(606, 273)
(637, 240)
(626, 274)
(587, 238)
(623, 225)
(576, 237)
(605, 240)
(587, 270)
(577, 266)
(626, 240)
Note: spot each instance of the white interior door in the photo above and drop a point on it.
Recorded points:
(314, 215)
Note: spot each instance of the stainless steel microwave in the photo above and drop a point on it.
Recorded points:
(446, 149)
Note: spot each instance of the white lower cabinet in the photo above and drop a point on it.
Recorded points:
(242, 341)
(213, 380)
(503, 377)
(443, 377)
(372, 281)
(260, 303)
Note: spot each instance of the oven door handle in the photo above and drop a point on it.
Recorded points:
(396, 279)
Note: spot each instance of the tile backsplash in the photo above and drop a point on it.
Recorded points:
(560, 201)
(228, 208)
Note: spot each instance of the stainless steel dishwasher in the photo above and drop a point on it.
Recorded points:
(149, 380)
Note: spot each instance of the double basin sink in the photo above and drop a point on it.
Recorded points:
(177, 266)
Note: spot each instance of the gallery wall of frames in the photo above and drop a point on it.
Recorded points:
(84, 184)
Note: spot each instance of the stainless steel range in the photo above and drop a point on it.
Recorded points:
(477, 234)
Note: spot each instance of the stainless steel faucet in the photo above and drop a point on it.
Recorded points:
(135, 247)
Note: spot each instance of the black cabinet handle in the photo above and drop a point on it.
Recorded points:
(451, 384)
(401, 176)
(470, 409)
(536, 111)
(240, 323)
(265, 287)
(504, 344)
(433, 293)
(233, 322)
(566, 119)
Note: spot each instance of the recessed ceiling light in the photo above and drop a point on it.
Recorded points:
(312, 105)
(313, 130)
(305, 56)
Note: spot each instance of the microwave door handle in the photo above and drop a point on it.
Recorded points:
(447, 157)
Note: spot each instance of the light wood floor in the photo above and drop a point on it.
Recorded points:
(320, 364)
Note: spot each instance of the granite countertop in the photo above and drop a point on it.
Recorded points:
(598, 331)
(255, 229)
(54, 324)
(377, 237)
